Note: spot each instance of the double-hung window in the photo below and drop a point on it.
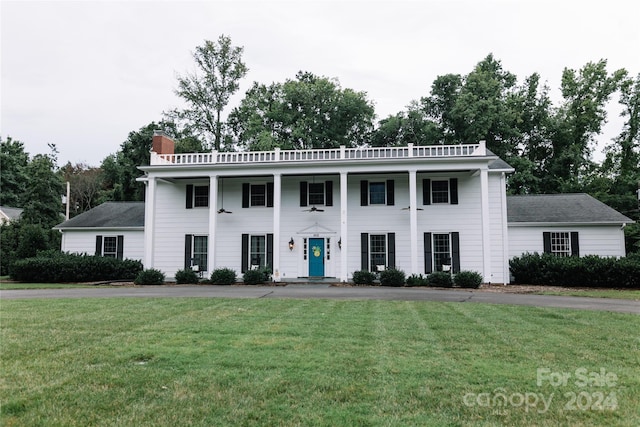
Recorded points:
(561, 243)
(196, 252)
(197, 196)
(442, 252)
(440, 191)
(377, 193)
(258, 252)
(316, 193)
(378, 251)
(110, 246)
(257, 195)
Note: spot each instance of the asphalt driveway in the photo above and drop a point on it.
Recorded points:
(329, 292)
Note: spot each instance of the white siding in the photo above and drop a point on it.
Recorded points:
(84, 242)
(497, 229)
(594, 240)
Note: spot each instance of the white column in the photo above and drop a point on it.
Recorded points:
(149, 222)
(413, 221)
(505, 229)
(344, 251)
(277, 205)
(486, 228)
(213, 221)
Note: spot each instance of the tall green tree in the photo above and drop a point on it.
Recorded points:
(206, 91)
(302, 113)
(43, 196)
(576, 123)
(14, 178)
(85, 184)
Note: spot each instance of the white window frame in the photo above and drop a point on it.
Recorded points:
(316, 202)
(201, 200)
(110, 254)
(262, 254)
(439, 257)
(561, 243)
(440, 192)
(251, 195)
(379, 264)
(384, 193)
(198, 256)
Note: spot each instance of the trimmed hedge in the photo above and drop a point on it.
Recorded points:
(468, 279)
(150, 277)
(392, 277)
(256, 277)
(187, 276)
(588, 271)
(416, 280)
(52, 267)
(223, 276)
(440, 279)
(363, 277)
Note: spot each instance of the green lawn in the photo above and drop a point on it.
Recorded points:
(253, 362)
(633, 295)
(4, 286)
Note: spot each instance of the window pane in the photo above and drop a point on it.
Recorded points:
(377, 193)
(561, 244)
(110, 247)
(201, 196)
(258, 195)
(316, 194)
(441, 251)
(440, 192)
(200, 252)
(377, 250)
(258, 251)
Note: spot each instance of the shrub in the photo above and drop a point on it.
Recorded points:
(439, 279)
(416, 280)
(468, 279)
(55, 266)
(363, 277)
(588, 271)
(150, 276)
(223, 276)
(392, 277)
(253, 277)
(187, 276)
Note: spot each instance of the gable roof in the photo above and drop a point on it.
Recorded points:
(108, 215)
(10, 214)
(561, 208)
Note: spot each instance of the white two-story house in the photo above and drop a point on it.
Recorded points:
(330, 212)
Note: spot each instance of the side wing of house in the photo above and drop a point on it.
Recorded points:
(121, 244)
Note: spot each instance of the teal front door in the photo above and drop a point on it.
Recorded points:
(316, 257)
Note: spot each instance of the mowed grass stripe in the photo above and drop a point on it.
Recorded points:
(302, 362)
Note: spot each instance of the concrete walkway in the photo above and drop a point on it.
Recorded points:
(329, 292)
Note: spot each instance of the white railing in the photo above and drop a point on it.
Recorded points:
(342, 153)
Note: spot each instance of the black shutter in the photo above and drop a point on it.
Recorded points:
(428, 254)
(188, 239)
(390, 193)
(391, 250)
(328, 193)
(245, 253)
(189, 204)
(246, 190)
(426, 191)
(364, 251)
(453, 190)
(455, 251)
(98, 245)
(120, 247)
(270, 250)
(303, 193)
(546, 242)
(269, 194)
(575, 246)
(364, 193)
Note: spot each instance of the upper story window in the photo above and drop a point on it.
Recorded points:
(377, 193)
(256, 195)
(316, 193)
(197, 196)
(440, 191)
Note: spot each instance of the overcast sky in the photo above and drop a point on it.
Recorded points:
(83, 74)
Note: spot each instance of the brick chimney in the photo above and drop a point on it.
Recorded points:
(162, 144)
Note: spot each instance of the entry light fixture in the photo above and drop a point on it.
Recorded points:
(291, 244)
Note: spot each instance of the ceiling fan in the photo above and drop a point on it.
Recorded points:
(222, 209)
(409, 207)
(313, 209)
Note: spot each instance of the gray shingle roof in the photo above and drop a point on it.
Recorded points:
(11, 213)
(108, 215)
(561, 208)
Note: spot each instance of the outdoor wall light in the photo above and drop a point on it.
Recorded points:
(291, 244)
(340, 243)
